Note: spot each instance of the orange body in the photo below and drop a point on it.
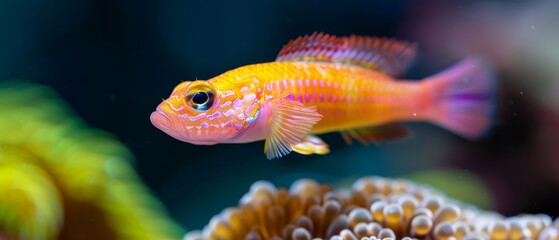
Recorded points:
(346, 96)
(320, 84)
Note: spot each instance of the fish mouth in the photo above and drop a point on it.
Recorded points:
(160, 120)
(164, 123)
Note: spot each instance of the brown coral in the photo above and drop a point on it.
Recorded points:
(375, 208)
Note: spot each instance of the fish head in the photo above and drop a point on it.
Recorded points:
(205, 113)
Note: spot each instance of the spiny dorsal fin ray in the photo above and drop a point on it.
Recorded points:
(390, 56)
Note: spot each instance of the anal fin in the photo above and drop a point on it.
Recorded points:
(377, 134)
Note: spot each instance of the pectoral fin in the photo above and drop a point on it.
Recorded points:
(290, 122)
(377, 134)
(311, 144)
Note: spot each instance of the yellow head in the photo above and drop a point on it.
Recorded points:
(207, 112)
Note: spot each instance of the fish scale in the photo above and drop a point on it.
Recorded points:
(322, 83)
(394, 100)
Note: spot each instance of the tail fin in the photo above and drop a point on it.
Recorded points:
(464, 97)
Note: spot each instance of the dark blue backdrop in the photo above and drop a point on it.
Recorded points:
(114, 60)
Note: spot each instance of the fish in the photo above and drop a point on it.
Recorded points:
(321, 83)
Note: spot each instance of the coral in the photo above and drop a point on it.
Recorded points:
(60, 179)
(374, 208)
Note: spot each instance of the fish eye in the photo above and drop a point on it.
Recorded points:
(201, 100)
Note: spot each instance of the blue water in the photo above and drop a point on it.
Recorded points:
(114, 61)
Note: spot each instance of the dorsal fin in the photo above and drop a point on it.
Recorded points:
(390, 56)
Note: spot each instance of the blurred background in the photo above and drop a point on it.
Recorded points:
(113, 61)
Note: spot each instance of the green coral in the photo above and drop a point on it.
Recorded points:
(53, 167)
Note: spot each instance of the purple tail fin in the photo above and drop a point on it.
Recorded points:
(464, 98)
